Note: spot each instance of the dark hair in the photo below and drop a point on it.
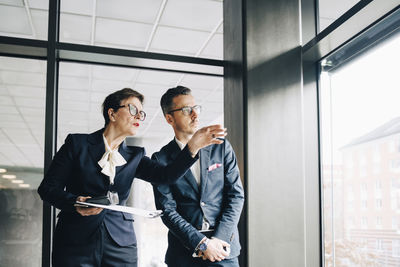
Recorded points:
(166, 101)
(114, 101)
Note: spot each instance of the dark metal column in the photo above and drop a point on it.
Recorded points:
(234, 100)
(50, 124)
(273, 125)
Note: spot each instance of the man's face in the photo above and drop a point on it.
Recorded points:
(185, 124)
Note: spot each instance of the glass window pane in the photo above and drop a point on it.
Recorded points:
(360, 127)
(180, 27)
(22, 99)
(24, 19)
(82, 89)
(329, 11)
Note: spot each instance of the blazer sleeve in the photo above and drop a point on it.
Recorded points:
(52, 187)
(233, 196)
(154, 172)
(188, 235)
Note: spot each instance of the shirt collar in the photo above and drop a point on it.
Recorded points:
(180, 144)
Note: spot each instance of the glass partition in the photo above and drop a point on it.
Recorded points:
(22, 98)
(82, 90)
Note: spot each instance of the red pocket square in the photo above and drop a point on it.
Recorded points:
(214, 166)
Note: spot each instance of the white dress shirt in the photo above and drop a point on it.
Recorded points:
(195, 168)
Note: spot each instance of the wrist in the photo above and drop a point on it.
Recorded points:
(203, 245)
(192, 149)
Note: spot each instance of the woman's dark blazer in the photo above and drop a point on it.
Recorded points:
(75, 172)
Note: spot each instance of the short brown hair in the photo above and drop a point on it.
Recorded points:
(166, 101)
(114, 101)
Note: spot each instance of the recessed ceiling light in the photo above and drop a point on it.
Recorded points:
(9, 176)
(17, 181)
(24, 185)
(3, 170)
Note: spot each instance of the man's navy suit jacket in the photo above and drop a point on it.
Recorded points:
(219, 199)
(75, 172)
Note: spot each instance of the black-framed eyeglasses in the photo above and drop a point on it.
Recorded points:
(188, 110)
(133, 110)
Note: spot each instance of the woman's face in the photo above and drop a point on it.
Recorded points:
(124, 121)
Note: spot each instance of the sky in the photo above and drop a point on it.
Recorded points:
(362, 95)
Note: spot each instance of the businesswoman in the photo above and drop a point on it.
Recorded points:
(99, 164)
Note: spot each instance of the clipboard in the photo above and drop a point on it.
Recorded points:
(131, 210)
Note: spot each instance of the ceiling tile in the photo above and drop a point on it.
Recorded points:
(29, 102)
(98, 97)
(173, 39)
(81, 7)
(40, 23)
(19, 136)
(325, 22)
(6, 101)
(134, 10)
(3, 90)
(71, 82)
(40, 4)
(12, 2)
(75, 28)
(73, 95)
(215, 48)
(73, 105)
(20, 64)
(202, 81)
(14, 20)
(32, 111)
(36, 92)
(334, 9)
(4, 140)
(122, 32)
(37, 126)
(74, 69)
(15, 155)
(9, 117)
(109, 85)
(13, 125)
(152, 101)
(23, 78)
(159, 77)
(39, 120)
(221, 28)
(66, 116)
(114, 73)
(151, 90)
(192, 14)
(8, 110)
(4, 161)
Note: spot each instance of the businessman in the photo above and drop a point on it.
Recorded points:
(202, 209)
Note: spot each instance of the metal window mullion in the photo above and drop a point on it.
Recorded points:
(50, 144)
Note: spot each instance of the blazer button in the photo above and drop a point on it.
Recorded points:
(202, 204)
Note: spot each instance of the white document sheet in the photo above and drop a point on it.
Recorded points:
(134, 211)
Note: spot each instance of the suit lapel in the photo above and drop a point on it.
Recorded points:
(96, 146)
(204, 163)
(125, 153)
(173, 153)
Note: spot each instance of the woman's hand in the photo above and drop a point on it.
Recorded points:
(206, 136)
(86, 211)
